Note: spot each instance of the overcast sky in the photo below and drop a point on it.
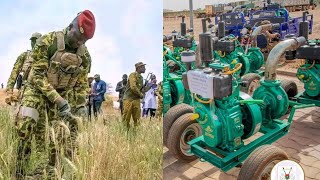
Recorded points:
(127, 31)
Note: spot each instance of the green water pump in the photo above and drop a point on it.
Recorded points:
(223, 116)
(228, 49)
(307, 73)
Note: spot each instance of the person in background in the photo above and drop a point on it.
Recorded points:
(150, 100)
(160, 101)
(133, 93)
(120, 88)
(98, 91)
(90, 98)
(20, 71)
(148, 83)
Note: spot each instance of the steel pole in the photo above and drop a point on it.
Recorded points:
(191, 14)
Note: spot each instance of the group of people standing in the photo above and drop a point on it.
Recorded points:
(149, 89)
(134, 91)
(149, 101)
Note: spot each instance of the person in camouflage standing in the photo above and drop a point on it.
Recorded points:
(121, 85)
(61, 65)
(20, 69)
(160, 100)
(133, 93)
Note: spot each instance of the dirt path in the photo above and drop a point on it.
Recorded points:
(2, 96)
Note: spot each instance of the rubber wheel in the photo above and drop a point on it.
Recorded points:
(260, 162)
(290, 87)
(171, 116)
(253, 83)
(182, 131)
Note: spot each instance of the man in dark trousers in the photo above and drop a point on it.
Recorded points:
(120, 88)
(90, 97)
(99, 89)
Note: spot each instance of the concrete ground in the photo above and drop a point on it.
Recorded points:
(302, 144)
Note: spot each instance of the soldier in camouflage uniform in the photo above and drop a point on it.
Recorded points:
(160, 100)
(20, 70)
(133, 93)
(59, 73)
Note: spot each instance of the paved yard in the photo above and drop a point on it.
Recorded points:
(302, 144)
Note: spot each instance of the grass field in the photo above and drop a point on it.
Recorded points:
(106, 150)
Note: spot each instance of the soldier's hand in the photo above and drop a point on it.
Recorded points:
(82, 112)
(14, 98)
(9, 95)
(8, 100)
(64, 108)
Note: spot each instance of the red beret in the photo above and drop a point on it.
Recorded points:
(87, 23)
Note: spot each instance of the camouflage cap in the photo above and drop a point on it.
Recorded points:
(139, 64)
(36, 35)
(97, 76)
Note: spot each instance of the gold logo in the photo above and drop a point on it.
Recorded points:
(312, 83)
(81, 30)
(208, 129)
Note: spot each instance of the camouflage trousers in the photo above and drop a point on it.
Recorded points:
(159, 109)
(121, 106)
(131, 108)
(37, 120)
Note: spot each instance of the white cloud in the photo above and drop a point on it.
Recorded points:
(106, 61)
(131, 16)
(147, 38)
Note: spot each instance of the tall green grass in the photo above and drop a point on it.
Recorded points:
(106, 150)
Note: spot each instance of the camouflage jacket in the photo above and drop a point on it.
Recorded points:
(16, 70)
(42, 52)
(159, 92)
(134, 87)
